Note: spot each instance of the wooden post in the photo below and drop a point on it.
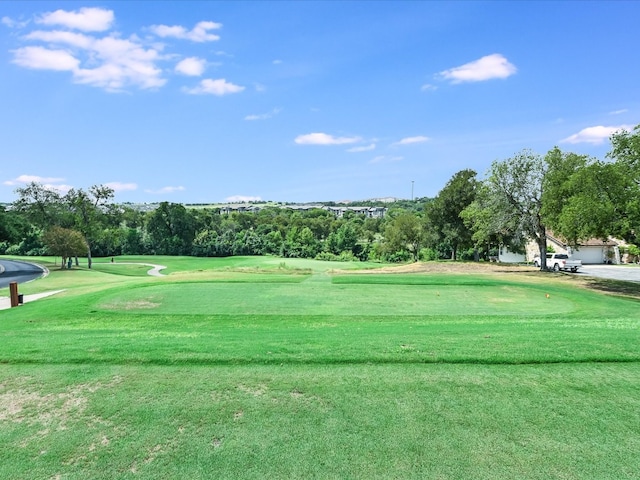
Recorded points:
(13, 291)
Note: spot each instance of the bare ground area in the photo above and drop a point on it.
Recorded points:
(450, 267)
(613, 287)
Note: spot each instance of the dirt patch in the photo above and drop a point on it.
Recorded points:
(141, 304)
(50, 410)
(254, 391)
(614, 287)
(448, 267)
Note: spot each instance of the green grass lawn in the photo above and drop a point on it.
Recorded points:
(269, 368)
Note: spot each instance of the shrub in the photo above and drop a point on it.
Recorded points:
(398, 257)
(327, 257)
(346, 256)
(428, 255)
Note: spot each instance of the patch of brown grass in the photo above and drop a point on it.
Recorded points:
(612, 287)
(448, 267)
(140, 304)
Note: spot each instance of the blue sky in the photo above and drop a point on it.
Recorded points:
(199, 102)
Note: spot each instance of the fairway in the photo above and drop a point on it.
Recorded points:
(318, 295)
(260, 368)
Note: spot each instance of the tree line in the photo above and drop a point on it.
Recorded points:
(520, 199)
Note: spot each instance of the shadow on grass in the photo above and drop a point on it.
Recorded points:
(284, 361)
(615, 287)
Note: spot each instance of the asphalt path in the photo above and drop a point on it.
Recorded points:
(17, 271)
(628, 273)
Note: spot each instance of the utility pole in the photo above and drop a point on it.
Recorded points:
(412, 190)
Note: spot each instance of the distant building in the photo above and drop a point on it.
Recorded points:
(227, 209)
(369, 212)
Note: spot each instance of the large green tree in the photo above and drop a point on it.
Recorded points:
(405, 233)
(625, 152)
(510, 204)
(13, 227)
(64, 242)
(443, 213)
(40, 204)
(171, 230)
(87, 210)
(490, 228)
(564, 180)
(584, 198)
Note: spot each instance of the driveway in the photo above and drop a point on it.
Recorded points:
(628, 273)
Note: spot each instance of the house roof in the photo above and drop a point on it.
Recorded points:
(591, 242)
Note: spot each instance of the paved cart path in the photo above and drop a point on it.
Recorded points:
(5, 302)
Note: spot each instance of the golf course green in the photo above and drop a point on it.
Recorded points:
(261, 367)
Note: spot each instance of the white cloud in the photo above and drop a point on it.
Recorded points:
(122, 187)
(277, 62)
(49, 183)
(79, 40)
(114, 78)
(109, 62)
(199, 33)
(428, 87)
(166, 190)
(594, 135)
(385, 159)
(217, 87)
(22, 179)
(124, 63)
(618, 112)
(11, 23)
(365, 148)
(191, 66)
(411, 140)
(85, 19)
(60, 188)
(263, 116)
(41, 58)
(324, 139)
(485, 68)
(242, 198)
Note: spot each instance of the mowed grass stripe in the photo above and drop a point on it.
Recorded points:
(350, 421)
(323, 298)
(259, 319)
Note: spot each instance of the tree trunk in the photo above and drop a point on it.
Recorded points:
(88, 255)
(542, 247)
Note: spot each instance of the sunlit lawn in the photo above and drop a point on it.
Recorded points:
(270, 368)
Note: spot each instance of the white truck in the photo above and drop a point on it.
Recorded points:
(559, 261)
